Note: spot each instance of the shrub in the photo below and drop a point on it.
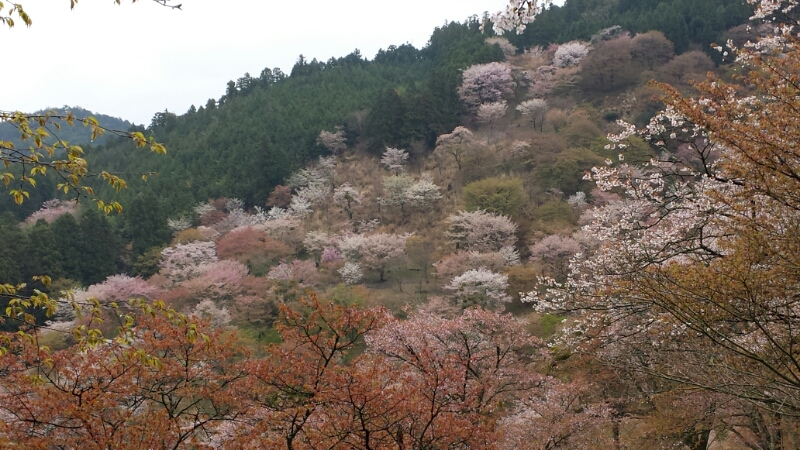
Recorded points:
(496, 195)
(556, 211)
(251, 246)
(146, 264)
(188, 235)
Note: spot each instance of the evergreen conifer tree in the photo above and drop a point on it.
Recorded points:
(14, 247)
(146, 224)
(42, 256)
(99, 247)
(67, 234)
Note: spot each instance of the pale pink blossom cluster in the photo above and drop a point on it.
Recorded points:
(767, 8)
(486, 83)
(315, 242)
(480, 230)
(554, 246)
(334, 142)
(570, 54)
(117, 288)
(374, 251)
(52, 210)
(557, 415)
(330, 255)
(480, 287)
(347, 198)
(208, 310)
(218, 277)
(300, 271)
(491, 112)
(518, 14)
(351, 273)
(543, 80)
(520, 149)
(493, 354)
(401, 190)
(186, 261)
(394, 160)
(459, 136)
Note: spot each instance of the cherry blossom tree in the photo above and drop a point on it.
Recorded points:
(347, 197)
(570, 54)
(543, 80)
(480, 287)
(303, 272)
(301, 206)
(695, 270)
(423, 193)
(208, 310)
(118, 288)
(554, 252)
(558, 415)
(51, 210)
(480, 230)
(401, 190)
(315, 242)
(518, 14)
(314, 195)
(486, 83)
(217, 277)
(351, 273)
(520, 149)
(395, 191)
(162, 383)
(306, 177)
(457, 373)
(376, 251)
(394, 160)
(334, 142)
(457, 144)
(179, 224)
(187, 261)
(490, 113)
(535, 109)
(330, 255)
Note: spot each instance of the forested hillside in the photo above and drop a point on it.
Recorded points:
(684, 22)
(269, 124)
(403, 97)
(553, 240)
(74, 135)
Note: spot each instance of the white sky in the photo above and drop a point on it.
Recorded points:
(131, 61)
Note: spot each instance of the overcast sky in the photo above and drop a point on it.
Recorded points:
(133, 60)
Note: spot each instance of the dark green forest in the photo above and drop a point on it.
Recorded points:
(77, 135)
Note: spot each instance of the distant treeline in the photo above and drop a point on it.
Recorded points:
(684, 22)
(265, 127)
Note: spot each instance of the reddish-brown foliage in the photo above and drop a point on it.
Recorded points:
(281, 196)
(212, 217)
(248, 244)
(164, 386)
